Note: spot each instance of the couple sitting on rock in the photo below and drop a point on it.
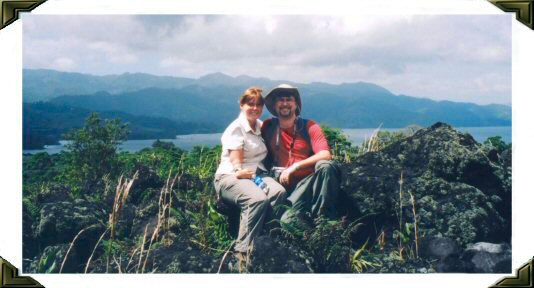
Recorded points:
(289, 153)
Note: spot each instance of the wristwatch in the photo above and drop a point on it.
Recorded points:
(237, 169)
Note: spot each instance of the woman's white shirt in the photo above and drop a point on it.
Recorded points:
(239, 135)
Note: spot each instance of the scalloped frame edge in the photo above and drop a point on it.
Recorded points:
(9, 277)
(10, 10)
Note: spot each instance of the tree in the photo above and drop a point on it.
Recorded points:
(163, 145)
(92, 153)
(497, 143)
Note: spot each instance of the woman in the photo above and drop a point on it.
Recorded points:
(242, 153)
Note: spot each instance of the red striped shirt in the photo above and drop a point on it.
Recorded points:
(301, 149)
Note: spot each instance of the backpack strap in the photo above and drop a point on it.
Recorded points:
(270, 130)
(302, 129)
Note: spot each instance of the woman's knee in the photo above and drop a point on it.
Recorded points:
(259, 199)
(277, 191)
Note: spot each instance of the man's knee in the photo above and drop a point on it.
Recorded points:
(323, 164)
(327, 166)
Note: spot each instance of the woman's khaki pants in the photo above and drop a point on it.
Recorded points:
(252, 201)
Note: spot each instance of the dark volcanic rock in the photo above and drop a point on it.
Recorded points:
(439, 247)
(489, 258)
(147, 179)
(182, 257)
(61, 221)
(459, 192)
(269, 256)
(446, 251)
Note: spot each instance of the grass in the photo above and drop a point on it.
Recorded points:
(72, 244)
(121, 194)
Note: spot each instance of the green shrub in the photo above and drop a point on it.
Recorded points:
(92, 153)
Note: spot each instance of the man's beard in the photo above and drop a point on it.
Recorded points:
(289, 114)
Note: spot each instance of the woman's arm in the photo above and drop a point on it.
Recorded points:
(237, 158)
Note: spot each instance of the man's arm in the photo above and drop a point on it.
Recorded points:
(319, 146)
(310, 161)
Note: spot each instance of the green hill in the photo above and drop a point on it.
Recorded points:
(45, 123)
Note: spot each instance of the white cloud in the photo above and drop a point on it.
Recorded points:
(441, 57)
(64, 64)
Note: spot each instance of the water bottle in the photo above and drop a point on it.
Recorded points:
(263, 186)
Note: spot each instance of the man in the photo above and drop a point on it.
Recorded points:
(299, 147)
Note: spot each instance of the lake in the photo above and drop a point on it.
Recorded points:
(357, 136)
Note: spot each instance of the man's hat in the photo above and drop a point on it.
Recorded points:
(282, 90)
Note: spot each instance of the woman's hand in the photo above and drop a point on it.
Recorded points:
(244, 174)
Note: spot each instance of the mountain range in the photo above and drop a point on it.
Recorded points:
(211, 102)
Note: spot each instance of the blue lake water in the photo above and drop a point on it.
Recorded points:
(357, 136)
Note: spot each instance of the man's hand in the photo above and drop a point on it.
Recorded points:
(286, 174)
(244, 174)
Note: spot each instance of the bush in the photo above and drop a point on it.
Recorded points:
(92, 153)
(497, 143)
(340, 145)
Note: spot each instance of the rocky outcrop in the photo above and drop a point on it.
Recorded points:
(61, 221)
(59, 224)
(458, 191)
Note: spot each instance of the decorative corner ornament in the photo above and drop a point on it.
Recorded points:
(10, 10)
(9, 277)
(523, 278)
(524, 10)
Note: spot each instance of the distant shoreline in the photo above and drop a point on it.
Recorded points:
(355, 135)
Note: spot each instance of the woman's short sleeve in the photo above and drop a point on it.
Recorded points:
(233, 138)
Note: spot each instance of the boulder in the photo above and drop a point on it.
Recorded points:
(147, 179)
(486, 257)
(439, 247)
(459, 192)
(182, 257)
(50, 260)
(61, 221)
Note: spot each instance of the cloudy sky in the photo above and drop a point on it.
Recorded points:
(458, 57)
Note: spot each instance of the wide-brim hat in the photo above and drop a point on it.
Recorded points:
(282, 90)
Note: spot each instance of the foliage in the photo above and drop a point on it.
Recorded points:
(202, 161)
(159, 159)
(92, 153)
(361, 260)
(497, 143)
(48, 263)
(38, 168)
(340, 145)
(327, 244)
